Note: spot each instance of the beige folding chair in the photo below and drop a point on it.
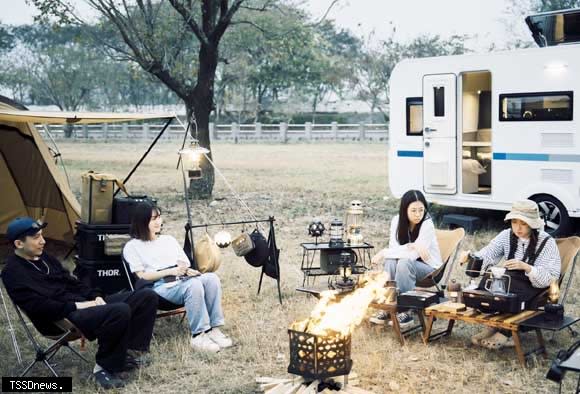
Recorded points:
(449, 242)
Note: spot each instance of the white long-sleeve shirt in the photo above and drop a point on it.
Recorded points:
(426, 238)
(546, 268)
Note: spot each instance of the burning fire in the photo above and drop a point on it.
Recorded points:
(343, 316)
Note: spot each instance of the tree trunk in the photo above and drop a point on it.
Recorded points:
(201, 104)
(68, 130)
(314, 105)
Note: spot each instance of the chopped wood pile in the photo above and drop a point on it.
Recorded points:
(299, 385)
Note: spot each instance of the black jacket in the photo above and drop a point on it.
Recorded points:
(44, 298)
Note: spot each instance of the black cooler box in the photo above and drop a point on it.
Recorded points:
(101, 242)
(489, 303)
(123, 207)
(106, 275)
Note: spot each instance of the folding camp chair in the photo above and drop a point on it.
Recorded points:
(449, 242)
(166, 308)
(64, 333)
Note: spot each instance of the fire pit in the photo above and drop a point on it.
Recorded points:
(319, 356)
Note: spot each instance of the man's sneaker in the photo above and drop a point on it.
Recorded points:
(220, 338)
(204, 343)
(405, 320)
(108, 380)
(379, 318)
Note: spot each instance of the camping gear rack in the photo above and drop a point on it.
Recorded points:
(272, 247)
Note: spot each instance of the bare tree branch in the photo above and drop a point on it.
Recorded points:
(188, 18)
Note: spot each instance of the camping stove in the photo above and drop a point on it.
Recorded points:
(319, 357)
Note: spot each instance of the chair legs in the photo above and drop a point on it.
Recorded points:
(46, 355)
(67, 345)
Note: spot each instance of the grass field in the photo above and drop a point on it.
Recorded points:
(294, 183)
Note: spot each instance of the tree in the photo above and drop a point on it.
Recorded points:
(6, 39)
(376, 64)
(553, 5)
(158, 37)
(332, 63)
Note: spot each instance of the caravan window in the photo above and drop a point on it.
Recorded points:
(414, 116)
(439, 95)
(526, 107)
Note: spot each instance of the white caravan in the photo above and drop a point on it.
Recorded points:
(483, 130)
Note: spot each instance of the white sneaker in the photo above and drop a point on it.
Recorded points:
(379, 318)
(220, 338)
(204, 343)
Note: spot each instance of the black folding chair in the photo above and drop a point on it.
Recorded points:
(166, 308)
(64, 333)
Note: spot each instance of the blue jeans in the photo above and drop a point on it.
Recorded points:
(201, 296)
(407, 272)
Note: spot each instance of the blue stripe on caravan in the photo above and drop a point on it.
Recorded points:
(536, 157)
(521, 156)
(410, 153)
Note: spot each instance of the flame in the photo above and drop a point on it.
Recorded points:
(345, 314)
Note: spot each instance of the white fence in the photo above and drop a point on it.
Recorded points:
(281, 132)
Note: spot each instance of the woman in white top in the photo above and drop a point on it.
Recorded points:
(413, 252)
(160, 259)
(530, 256)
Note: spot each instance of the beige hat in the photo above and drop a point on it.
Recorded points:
(526, 211)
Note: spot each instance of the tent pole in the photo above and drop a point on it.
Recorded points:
(146, 153)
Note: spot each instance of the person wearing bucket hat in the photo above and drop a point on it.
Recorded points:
(39, 284)
(530, 256)
(161, 260)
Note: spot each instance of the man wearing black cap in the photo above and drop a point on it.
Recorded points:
(45, 290)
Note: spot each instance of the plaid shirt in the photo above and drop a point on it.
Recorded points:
(546, 267)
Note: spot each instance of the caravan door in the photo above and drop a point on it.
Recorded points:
(439, 134)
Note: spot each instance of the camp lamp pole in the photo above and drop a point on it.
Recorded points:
(189, 224)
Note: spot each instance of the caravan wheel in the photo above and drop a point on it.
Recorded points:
(555, 215)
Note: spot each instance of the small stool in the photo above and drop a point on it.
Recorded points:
(469, 223)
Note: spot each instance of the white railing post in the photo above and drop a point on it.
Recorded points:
(334, 130)
(258, 130)
(213, 131)
(105, 131)
(145, 133)
(125, 132)
(284, 132)
(361, 130)
(308, 131)
(85, 131)
(235, 132)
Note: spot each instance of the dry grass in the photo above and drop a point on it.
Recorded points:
(294, 183)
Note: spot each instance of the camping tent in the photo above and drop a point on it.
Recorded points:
(30, 182)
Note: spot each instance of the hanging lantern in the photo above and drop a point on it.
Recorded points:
(353, 223)
(191, 157)
(316, 228)
(336, 232)
(223, 239)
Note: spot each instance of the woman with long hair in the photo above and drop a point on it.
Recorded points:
(530, 256)
(161, 260)
(413, 252)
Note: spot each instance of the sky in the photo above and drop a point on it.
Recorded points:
(410, 17)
